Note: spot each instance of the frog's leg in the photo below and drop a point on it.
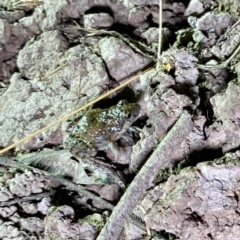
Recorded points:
(83, 150)
(117, 135)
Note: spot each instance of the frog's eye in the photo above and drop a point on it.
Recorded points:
(122, 102)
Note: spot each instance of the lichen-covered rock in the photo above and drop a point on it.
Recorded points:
(30, 208)
(58, 224)
(7, 229)
(33, 224)
(97, 20)
(26, 183)
(189, 204)
(195, 7)
(120, 59)
(227, 112)
(6, 212)
(110, 192)
(208, 27)
(37, 101)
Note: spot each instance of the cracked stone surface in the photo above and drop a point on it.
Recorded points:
(50, 65)
(199, 203)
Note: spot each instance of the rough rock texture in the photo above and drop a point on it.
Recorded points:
(226, 109)
(115, 52)
(162, 102)
(97, 20)
(50, 65)
(199, 203)
(55, 96)
(58, 225)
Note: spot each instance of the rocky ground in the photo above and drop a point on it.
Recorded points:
(56, 56)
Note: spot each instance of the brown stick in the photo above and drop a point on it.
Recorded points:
(160, 159)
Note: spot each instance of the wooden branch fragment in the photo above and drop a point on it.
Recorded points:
(160, 159)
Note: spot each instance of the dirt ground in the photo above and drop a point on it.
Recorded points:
(157, 158)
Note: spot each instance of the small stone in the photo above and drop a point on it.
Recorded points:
(97, 20)
(30, 208)
(3, 197)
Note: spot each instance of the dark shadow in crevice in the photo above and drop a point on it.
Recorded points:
(166, 235)
(187, 90)
(203, 156)
(100, 9)
(126, 30)
(66, 197)
(125, 94)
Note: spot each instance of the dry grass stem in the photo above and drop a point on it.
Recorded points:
(54, 71)
(160, 34)
(222, 65)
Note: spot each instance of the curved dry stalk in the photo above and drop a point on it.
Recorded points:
(75, 112)
(222, 65)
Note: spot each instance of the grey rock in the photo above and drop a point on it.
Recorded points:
(226, 47)
(44, 205)
(3, 197)
(189, 204)
(32, 224)
(120, 59)
(6, 212)
(42, 101)
(212, 25)
(7, 229)
(12, 37)
(226, 109)
(29, 208)
(195, 7)
(11, 16)
(185, 67)
(215, 79)
(97, 20)
(110, 192)
(58, 223)
(146, 2)
(138, 17)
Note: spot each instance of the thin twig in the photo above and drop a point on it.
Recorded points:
(75, 112)
(120, 36)
(222, 65)
(159, 34)
(54, 71)
(160, 159)
(28, 198)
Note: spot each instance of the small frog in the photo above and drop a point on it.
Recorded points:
(99, 129)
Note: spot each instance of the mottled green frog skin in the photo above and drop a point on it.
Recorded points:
(98, 128)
